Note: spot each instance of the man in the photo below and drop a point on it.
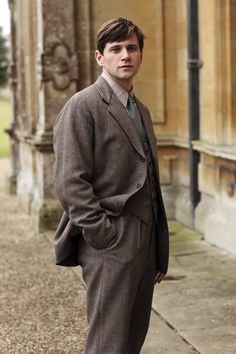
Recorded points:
(106, 169)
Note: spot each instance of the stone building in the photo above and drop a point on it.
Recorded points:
(188, 79)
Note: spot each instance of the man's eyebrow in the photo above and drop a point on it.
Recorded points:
(119, 45)
(132, 45)
(115, 46)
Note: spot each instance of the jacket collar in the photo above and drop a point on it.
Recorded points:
(119, 112)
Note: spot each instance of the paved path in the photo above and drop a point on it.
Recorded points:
(42, 307)
(198, 299)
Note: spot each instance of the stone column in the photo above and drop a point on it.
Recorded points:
(14, 144)
(58, 76)
(47, 76)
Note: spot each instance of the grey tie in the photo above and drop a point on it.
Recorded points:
(135, 115)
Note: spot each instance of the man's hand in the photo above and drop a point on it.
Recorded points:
(159, 277)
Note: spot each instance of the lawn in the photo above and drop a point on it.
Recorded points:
(5, 116)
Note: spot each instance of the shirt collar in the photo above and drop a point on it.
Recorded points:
(117, 89)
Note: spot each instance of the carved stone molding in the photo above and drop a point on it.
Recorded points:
(59, 65)
(228, 179)
(42, 143)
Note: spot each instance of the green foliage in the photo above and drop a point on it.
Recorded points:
(3, 58)
(5, 116)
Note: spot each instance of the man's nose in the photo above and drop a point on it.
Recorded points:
(125, 53)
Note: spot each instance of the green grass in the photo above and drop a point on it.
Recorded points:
(5, 116)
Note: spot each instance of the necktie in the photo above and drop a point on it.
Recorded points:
(134, 114)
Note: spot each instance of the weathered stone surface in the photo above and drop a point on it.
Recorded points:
(44, 75)
(217, 221)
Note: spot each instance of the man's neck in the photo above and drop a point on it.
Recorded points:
(125, 84)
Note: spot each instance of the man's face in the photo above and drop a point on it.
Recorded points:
(121, 60)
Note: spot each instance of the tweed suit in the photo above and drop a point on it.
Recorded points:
(106, 168)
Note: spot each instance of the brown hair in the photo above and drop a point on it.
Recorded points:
(117, 30)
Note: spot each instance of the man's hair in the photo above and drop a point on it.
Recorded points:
(117, 30)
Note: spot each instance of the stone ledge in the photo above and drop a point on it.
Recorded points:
(223, 151)
(171, 140)
(42, 142)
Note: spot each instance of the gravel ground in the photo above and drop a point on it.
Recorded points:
(42, 306)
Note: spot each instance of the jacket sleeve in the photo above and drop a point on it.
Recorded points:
(73, 148)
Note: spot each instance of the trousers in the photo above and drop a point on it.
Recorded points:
(120, 283)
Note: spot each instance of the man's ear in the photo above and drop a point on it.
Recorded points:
(99, 58)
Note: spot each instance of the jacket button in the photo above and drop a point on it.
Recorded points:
(139, 185)
(120, 205)
(142, 159)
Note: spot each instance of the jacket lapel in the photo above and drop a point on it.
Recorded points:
(148, 125)
(119, 113)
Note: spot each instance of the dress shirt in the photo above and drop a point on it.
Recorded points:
(121, 93)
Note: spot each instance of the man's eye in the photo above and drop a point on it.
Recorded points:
(133, 48)
(115, 50)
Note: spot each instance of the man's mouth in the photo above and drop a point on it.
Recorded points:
(125, 66)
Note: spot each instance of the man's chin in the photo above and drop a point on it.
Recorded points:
(126, 76)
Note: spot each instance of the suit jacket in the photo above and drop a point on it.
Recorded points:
(99, 165)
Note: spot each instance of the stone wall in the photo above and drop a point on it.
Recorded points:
(216, 212)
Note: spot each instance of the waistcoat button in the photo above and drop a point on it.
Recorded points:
(120, 205)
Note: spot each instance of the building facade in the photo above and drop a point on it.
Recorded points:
(187, 79)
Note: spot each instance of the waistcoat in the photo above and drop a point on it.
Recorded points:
(141, 202)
